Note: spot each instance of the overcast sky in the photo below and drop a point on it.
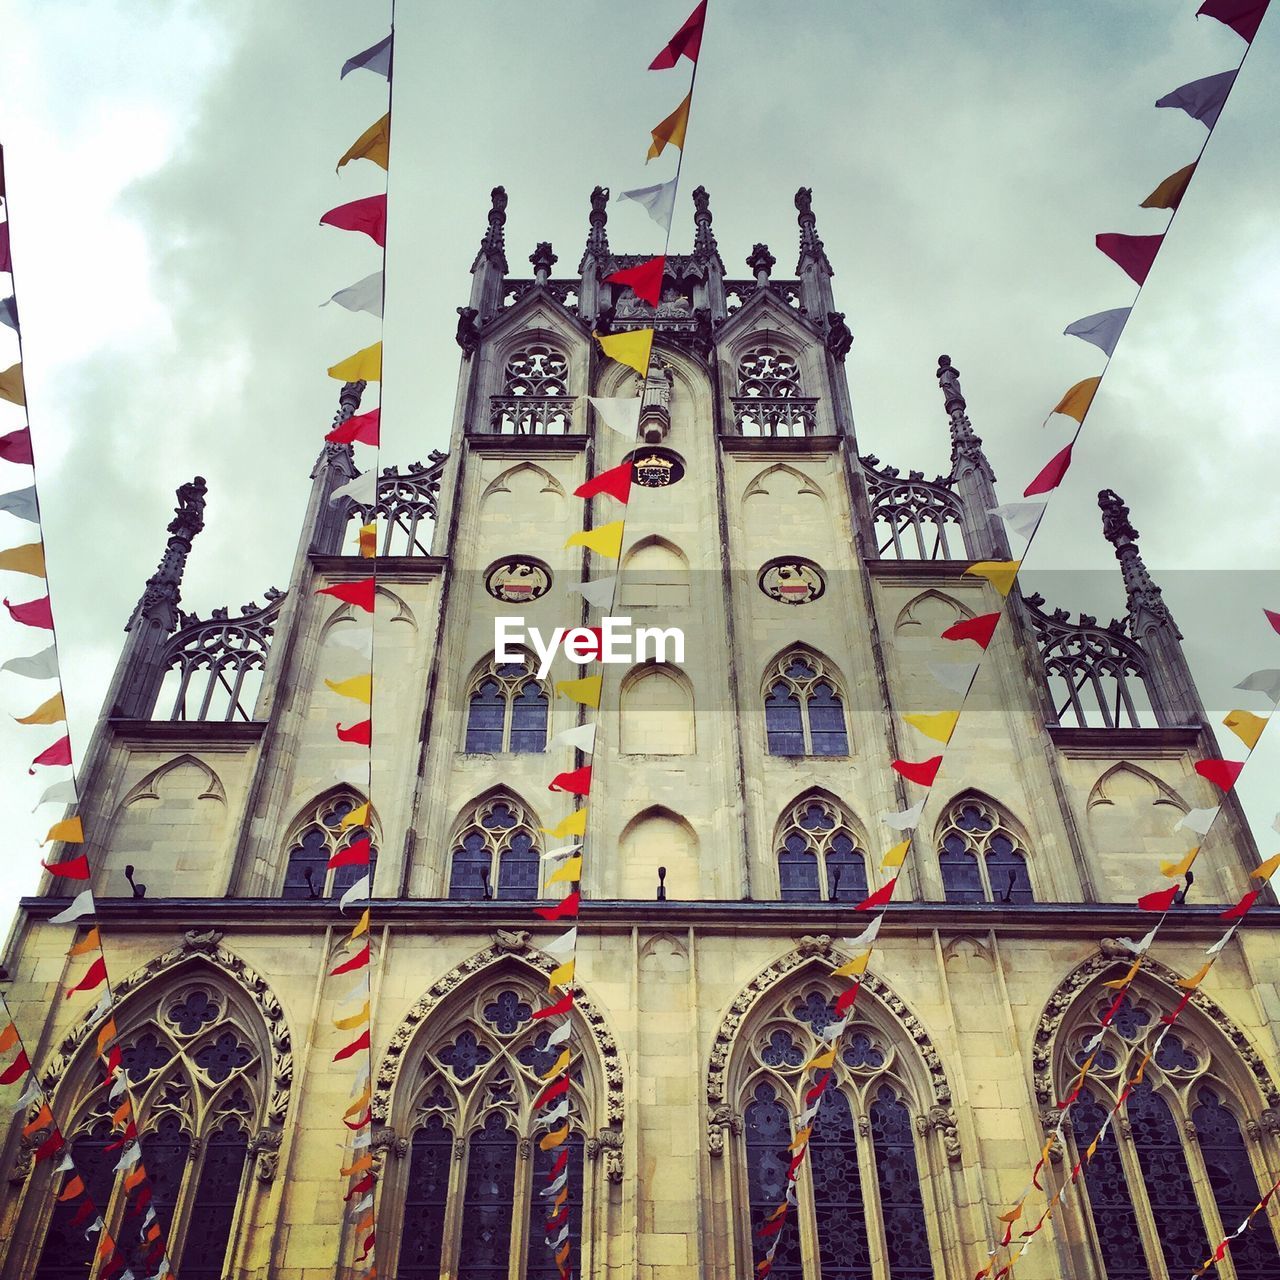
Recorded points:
(168, 164)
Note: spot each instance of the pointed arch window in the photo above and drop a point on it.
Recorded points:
(317, 837)
(535, 397)
(507, 709)
(496, 853)
(482, 1215)
(981, 857)
(769, 402)
(804, 708)
(819, 857)
(194, 1063)
(1178, 1129)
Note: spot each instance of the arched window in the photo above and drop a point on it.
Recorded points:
(507, 709)
(535, 396)
(193, 1057)
(472, 1091)
(1179, 1128)
(768, 402)
(819, 857)
(804, 708)
(860, 1212)
(496, 854)
(656, 713)
(317, 837)
(982, 860)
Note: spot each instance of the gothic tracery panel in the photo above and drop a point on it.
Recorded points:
(535, 397)
(507, 709)
(804, 707)
(982, 858)
(321, 832)
(495, 852)
(819, 856)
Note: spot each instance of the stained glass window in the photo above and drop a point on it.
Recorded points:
(901, 1206)
(837, 1192)
(980, 858)
(67, 1254)
(487, 1203)
(507, 710)
(818, 855)
(213, 1210)
(422, 1235)
(1114, 1221)
(307, 875)
(541, 1262)
(496, 854)
(768, 1132)
(165, 1149)
(804, 709)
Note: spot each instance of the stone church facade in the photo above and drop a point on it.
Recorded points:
(734, 822)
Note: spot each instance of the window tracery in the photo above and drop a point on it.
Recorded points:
(507, 709)
(819, 857)
(535, 397)
(804, 707)
(496, 853)
(316, 839)
(981, 857)
(769, 402)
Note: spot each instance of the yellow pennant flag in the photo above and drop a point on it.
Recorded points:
(51, 711)
(561, 1064)
(1000, 573)
(373, 144)
(358, 817)
(68, 830)
(11, 386)
(364, 366)
(822, 1061)
(90, 942)
(1168, 195)
(585, 691)
(1191, 983)
(359, 1103)
(1176, 870)
(852, 968)
(574, 825)
(358, 687)
(606, 540)
(1141, 1071)
(1013, 1215)
(561, 976)
(631, 348)
(360, 1165)
(570, 871)
(1116, 984)
(28, 558)
(1267, 869)
(1246, 726)
(896, 856)
(671, 130)
(1092, 1147)
(938, 725)
(355, 1020)
(368, 540)
(556, 1138)
(802, 1136)
(1075, 404)
(362, 925)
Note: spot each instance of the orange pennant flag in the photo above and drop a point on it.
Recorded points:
(53, 711)
(671, 130)
(69, 831)
(91, 941)
(363, 1163)
(359, 1103)
(1191, 983)
(1075, 404)
(1168, 195)
(8, 1037)
(75, 1187)
(556, 1138)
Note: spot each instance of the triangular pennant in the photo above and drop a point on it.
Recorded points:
(1000, 573)
(1020, 518)
(361, 428)
(956, 676)
(368, 215)
(880, 898)
(11, 384)
(1050, 476)
(895, 857)
(22, 504)
(605, 540)
(51, 711)
(363, 490)
(69, 831)
(81, 906)
(1242, 16)
(979, 629)
(574, 825)
(644, 280)
(1222, 773)
(599, 593)
(32, 613)
(938, 725)
(376, 58)
(582, 738)
(1160, 900)
(1176, 870)
(1197, 820)
(585, 690)
(364, 366)
(671, 131)
(618, 413)
(658, 201)
(1267, 869)
(1102, 329)
(364, 295)
(1264, 682)
(575, 782)
(373, 144)
(616, 482)
(686, 43)
(1134, 255)
(906, 819)
(1168, 195)
(28, 559)
(921, 772)
(35, 666)
(15, 446)
(359, 593)
(360, 688)
(632, 348)
(1075, 403)
(1246, 726)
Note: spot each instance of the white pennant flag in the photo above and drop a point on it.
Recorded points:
(1221, 942)
(558, 1113)
(582, 737)
(658, 201)
(81, 905)
(1102, 329)
(956, 676)
(619, 413)
(559, 1035)
(1197, 820)
(129, 1157)
(361, 1076)
(557, 1241)
(905, 820)
(357, 637)
(1264, 682)
(357, 891)
(63, 792)
(30, 1094)
(560, 851)
(563, 946)
(834, 1030)
(1140, 947)
(94, 1227)
(64, 1164)
(118, 1086)
(361, 1205)
(598, 593)
(362, 1138)
(1089, 1046)
(554, 1187)
(1020, 517)
(35, 666)
(1275, 823)
(364, 295)
(866, 937)
(363, 490)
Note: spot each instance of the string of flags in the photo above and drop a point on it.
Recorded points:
(68, 862)
(1136, 255)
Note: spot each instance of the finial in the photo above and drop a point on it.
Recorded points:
(1146, 604)
(492, 246)
(704, 240)
(761, 262)
(542, 260)
(598, 234)
(348, 401)
(159, 603)
(949, 380)
(1116, 525)
(810, 243)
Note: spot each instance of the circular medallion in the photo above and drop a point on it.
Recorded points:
(654, 468)
(517, 579)
(792, 580)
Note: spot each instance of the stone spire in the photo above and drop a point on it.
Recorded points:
(984, 535)
(595, 256)
(704, 239)
(490, 266)
(1173, 693)
(814, 269)
(761, 263)
(708, 297)
(542, 259)
(334, 467)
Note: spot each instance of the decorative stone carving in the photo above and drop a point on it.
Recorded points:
(1050, 1119)
(940, 1120)
(524, 1148)
(24, 1157)
(814, 944)
(721, 1118)
(511, 941)
(1271, 1121)
(839, 335)
(467, 335)
(608, 1142)
(265, 1145)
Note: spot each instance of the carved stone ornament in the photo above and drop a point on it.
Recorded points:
(512, 941)
(197, 947)
(1091, 971)
(385, 1140)
(517, 579)
(608, 1142)
(265, 1145)
(792, 581)
(492, 957)
(1050, 1119)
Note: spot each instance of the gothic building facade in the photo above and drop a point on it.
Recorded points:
(735, 820)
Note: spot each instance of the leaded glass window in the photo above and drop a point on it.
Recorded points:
(507, 709)
(982, 860)
(768, 1131)
(837, 1192)
(819, 857)
(804, 708)
(217, 1193)
(496, 853)
(488, 1200)
(541, 1263)
(68, 1253)
(317, 838)
(1114, 1220)
(428, 1191)
(901, 1206)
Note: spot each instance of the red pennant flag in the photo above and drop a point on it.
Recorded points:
(76, 868)
(368, 215)
(845, 1000)
(94, 977)
(563, 1005)
(357, 961)
(16, 446)
(6, 261)
(981, 629)
(1242, 907)
(1111, 1013)
(359, 593)
(361, 733)
(361, 1042)
(919, 771)
(368, 1244)
(58, 754)
(1242, 16)
(816, 1090)
(576, 782)
(552, 1091)
(772, 1228)
(16, 1069)
(84, 1213)
(1169, 1019)
(365, 1184)
(645, 281)
(365, 1119)
(1222, 773)
(616, 482)
(356, 854)
(1051, 476)
(32, 613)
(558, 1168)
(1132, 254)
(363, 428)
(878, 899)
(567, 906)
(50, 1146)
(1274, 619)
(1161, 900)
(687, 42)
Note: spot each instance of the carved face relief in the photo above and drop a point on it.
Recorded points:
(792, 581)
(517, 579)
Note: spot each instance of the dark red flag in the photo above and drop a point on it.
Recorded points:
(368, 215)
(32, 613)
(58, 754)
(981, 629)
(16, 1069)
(563, 1005)
(1051, 476)
(6, 262)
(1132, 254)
(577, 782)
(616, 482)
(363, 428)
(361, 1042)
(16, 447)
(1160, 900)
(1222, 773)
(567, 906)
(358, 593)
(686, 43)
(645, 280)
(94, 977)
(1242, 16)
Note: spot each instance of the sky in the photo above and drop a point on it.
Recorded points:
(168, 163)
